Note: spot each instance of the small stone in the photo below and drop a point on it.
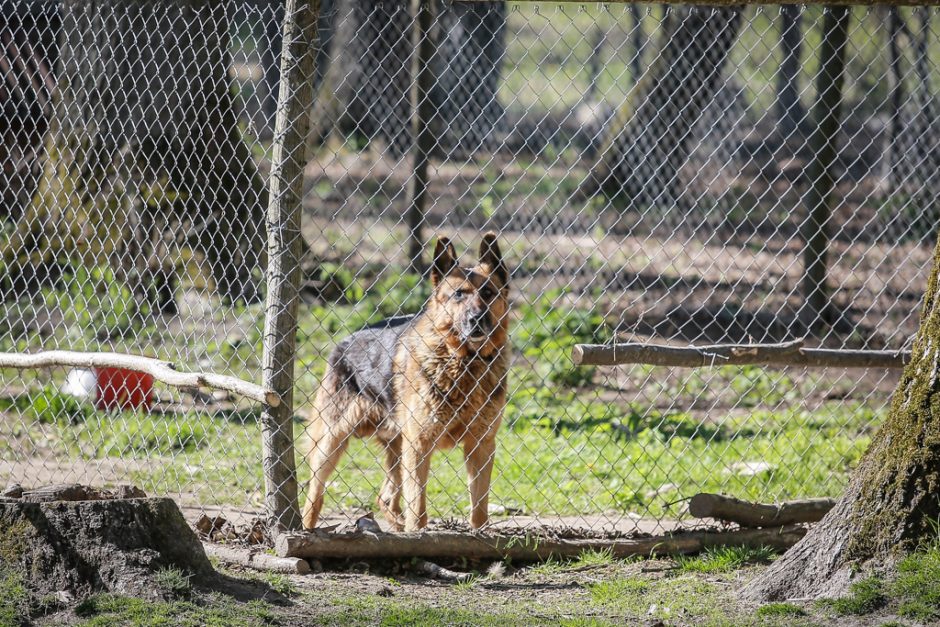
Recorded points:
(367, 524)
(129, 492)
(12, 491)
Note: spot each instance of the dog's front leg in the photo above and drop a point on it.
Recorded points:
(478, 458)
(416, 464)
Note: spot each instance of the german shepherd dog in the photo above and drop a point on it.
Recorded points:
(421, 383)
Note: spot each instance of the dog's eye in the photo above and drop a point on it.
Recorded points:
(459, 295)
(487, 292)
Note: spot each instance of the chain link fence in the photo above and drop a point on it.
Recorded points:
(655, 173)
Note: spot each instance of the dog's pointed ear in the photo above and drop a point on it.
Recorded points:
(491, 256)
(445, 260)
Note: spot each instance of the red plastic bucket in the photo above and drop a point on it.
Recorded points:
(120, 388)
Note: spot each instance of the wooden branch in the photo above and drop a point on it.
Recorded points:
(163, 371)
(784, 354)
(451, 544)
(430, 569)
(758, 514)
(257, 560)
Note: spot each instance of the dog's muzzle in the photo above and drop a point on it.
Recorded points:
(476, 326)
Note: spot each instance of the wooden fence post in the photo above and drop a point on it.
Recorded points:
(422, 133)
(826, 115)
(285, 246)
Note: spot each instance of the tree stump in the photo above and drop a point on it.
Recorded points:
(68, 542)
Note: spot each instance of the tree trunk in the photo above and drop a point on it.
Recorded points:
(365, 89)
(27, 57)
(366, 86)
(819, 201)
(144, 154)
(894, 150)
(790, 112)
(651, 136)
(891, 501)
(470, 48)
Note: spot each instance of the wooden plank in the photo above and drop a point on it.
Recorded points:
(453, 544)
(162, 371)
(285, 247)
(778, 355)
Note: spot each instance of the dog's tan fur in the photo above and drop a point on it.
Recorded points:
(448, 391)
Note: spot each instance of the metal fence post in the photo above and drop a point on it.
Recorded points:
(285, 246)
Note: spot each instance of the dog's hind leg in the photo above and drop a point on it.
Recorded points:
(389, 500)
(331, 425)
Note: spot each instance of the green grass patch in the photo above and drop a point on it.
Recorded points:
(668, 599)
(174, 582)
(780, 610)
(724, 559)
(917, 586)
(14, 599)
(281, 584)
(215, 610)
(865, 596)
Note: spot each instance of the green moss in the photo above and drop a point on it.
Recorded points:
(14, 540)
(902, 466)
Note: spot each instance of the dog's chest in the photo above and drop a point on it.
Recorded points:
(457, 394)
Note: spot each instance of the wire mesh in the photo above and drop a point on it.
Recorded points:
(649, 171)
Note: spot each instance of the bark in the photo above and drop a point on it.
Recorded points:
(28, 52)
(145, 155)
(470, 45)
(890, 504)
(368, 80)
(790, 111)
(892, 161)
(652, 134)
(819, 198)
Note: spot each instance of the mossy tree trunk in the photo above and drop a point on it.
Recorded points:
(145, 156)
(651, 136)
(891, 502)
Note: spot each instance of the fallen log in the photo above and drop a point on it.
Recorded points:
(257, 560)
(784, 354)
(747, 514)
(487, 546)
(162, 371)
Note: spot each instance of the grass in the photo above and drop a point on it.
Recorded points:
(667, 599)
(173, 582)
(780, 610)
(865, 596)
(724, 559)
(562, 449)
(214, 610)
(914, 591)
(14, 599)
